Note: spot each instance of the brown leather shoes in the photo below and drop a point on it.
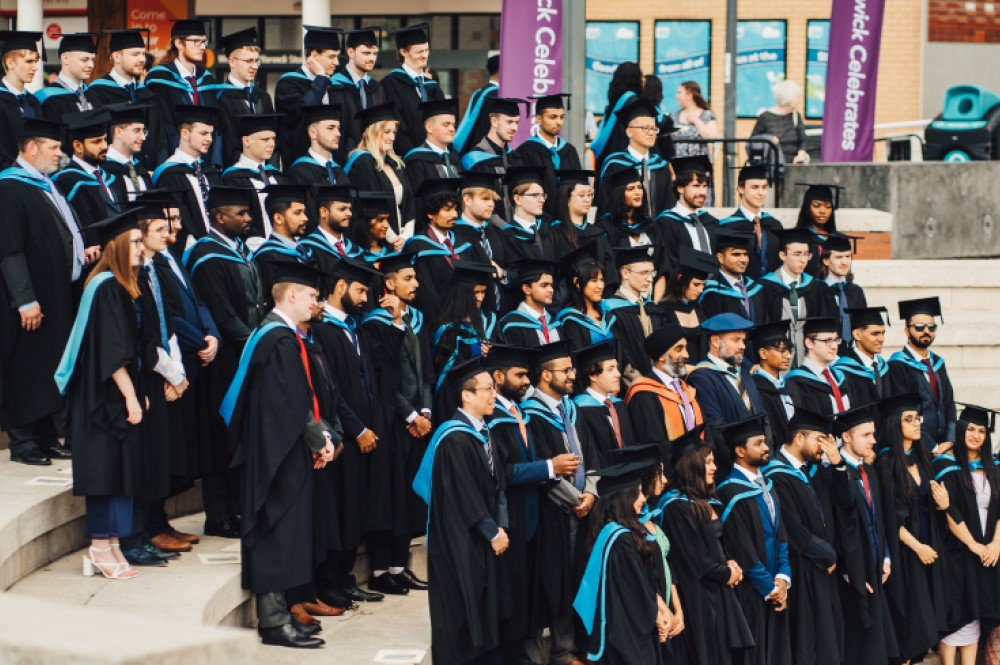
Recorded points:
(168, 543)
(180, 535)
(299, 614)
(318, 608)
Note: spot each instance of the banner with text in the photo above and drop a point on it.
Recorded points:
(682, 52)
(609, 44)
(156, 16)
(851, 77)
(760, 63)
(531, 50)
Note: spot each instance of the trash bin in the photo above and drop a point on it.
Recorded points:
(968, 129)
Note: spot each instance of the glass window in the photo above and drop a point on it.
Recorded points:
(609, 44)
(283, 34)
(760, 63)
(817, 49)
(682, 52)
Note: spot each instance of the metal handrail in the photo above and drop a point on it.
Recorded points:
(729, 165)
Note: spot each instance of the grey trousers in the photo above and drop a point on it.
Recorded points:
(272, 611)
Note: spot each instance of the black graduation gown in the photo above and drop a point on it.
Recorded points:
(764, 257)
(716, 631)
(423, 163)
(83, 193)
(363, 172)
(477, 237)
(664, 313)
(107, 455)
(517, 328)
(475, 124)
(861, 543)
(105, 91)
(556, 243)
(171, 90)
(485, 156)
(520, 245)
(620, 234)
(36, 249)
(276, 464)
(816, 622)
(524, 476)
(402, 90)
(564, 157)
(674, 229)
(468, 581)
(233, 101)
(867, 385)
(307, 171)
(774, 400)
(817, 297)
(915, 592)
(236, 176)
(121, 185)
(853, 298)
(972, 591)
(628, 331)
(345, 94)
(435, 273)
(747, 540)
(174, 176)
(812, 392)
(57, 101)
(662, 195)
(271, 256)
(12, 109)
(717, 396)
(597, 431)
(909, 375)
(293, 91)
(721, 298)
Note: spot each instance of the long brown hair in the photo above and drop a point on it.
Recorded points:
(117, 258)
(688, 477)
(619, 506)
(695, 90)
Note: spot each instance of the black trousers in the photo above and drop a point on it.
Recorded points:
(39, 435)
(387, 551)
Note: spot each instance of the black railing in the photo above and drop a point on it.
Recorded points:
(769, 154)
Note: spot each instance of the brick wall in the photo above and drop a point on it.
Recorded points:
(959, 21)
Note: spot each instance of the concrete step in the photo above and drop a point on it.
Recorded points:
(864, 220)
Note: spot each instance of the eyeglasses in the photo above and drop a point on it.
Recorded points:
(141, 131)
(920, 327)
(800, 255)
(910, 420)
(643, 273)
(490, 388)
(569, 371)
(249, 61)
(829, 340)
(200, 43)
(537, 195)
(649, 129)
(137, 242)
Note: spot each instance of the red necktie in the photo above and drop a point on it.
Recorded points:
(837, 396)
(305, 365)
(757, 230)
(340, 247)
(104, 186)
(451, 250)
(932, 378)
(864, 483)
(520, 424)
(195, 97)
(545, 329)
(615, 423)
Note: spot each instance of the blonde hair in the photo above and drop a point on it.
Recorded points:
(476, 192)
(17, 54)
(371, 141)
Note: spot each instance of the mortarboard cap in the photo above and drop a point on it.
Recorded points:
(766, 334)
(503, 356)
(189, 113)
(821, 191)
(472, 272)
(493, 64)
(524, 174)
(434, 186)
(506, 106)
(626, 256)
(293, 272)
(839, 242)
(695, 263)
(322, 39)
(639, 107)
(221, 196)
(411, 35)
(787, 237)
(900, 403)
(16, 40)
(687, 443)
(87, 124)
(804, 419)
(758, 171)
(581, 256)
(649, 453)
(248, 124)
(619, 477)
(126, 114)
(531, 270)
(694, 164)
(737, 434)
(867, 316)
(663, 339)
(597, 353)
(725, 323)
(734, 235)
(551, 102)
(978, 415)
(376, 203)
(166, 198)
(929, 306)
(363, 37)
(78, 41)
(354, 271)
(477, 180)
(238, 40)
(285, 194)
(119, 40)
(623, 177)
(186, 27)
(568, 177)
(551, 351)
(817, 325)
(108, 229)
(318, 113)
(380, 113)
(437, 107)
(397, 262)
(845, 421)
(324, 193)
(465, 370)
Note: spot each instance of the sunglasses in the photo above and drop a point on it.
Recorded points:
(920, 327)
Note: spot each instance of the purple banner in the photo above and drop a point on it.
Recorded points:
(851, 78)
(530, 53)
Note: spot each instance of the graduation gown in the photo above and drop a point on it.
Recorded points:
(233, 101)
(323, 254)
(617, 600)
(862, 533)
(814, 295)
(270, 256)
(597, 430)
(657, 412)
(307, 171)
(121, 183)
(674, 229)
(812, 392)
(36, 250)
(293, 91)
(454, 343)
(763, 256)
(845, 295)
(915, 592)
(347, 94)
(487, 245)
(622, 233)
(84, 194)
(611, 137)
(107, 456)
(718, 398)
(627, 329)
(661, 195)
(778, 406)
(424, 162)
(867, 384)
(468, 582)
(516, 328)
(665, 313)
(757, 542)
(406, 93)
(475, 124)
(171, 90)
(275, 446)
(363, 172)
(719, 297)
(57, 101)
(816, 622)
(105, 91)
(13, 108)
(239, 176)
(907, 374)
(434, 268)
(716, 629)
(173, 175)
(485, 156)
(563, 156)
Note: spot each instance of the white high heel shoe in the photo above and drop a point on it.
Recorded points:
(111, 570)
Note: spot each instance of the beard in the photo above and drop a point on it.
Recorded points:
(351, 308)
(675, 368)
(921, 343)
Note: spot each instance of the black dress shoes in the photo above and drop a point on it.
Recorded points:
(411, 581)
(32, 457)
(58, 451)
(359, 595)
(138, 556)
(335, 598)
(222, 528)
(309, 630)
(287, 636)
(158, 553)
(387, 583)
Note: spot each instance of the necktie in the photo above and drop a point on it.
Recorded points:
(154, 286)
(793, 299)
(574, 446)
(81, 100)
(758, 231)
(263, 174)
(411, 338)
(26, 110)
(703, 245)
(838, 397)
(741, 389)
(241, 248)
(556, 159)
(130, 89)
(647, 188)
(362, 94)
(449, 170)
(330, 175)
(105, 192)
(845, 320)
(305, 365)
(202, 180)
(741, 287)
(520, 424)
(421, 90)
(644, 320)
(687, 411)
(352, 331)
(489, 449)
(865, 484)
(451, 252)
(932, 378)
(133, 175)
(249, 93)
(195, 95)
(615, 423)
(69, 219)
(768, 499)
(545, 328)
(339, 246)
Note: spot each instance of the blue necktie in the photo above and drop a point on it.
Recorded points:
(574, 446)
(556, 159)
(362, 94)
(421, 89)
(845, 320)
(26, 110)
(154, 285)
(329, 172)
(352, 330)
(249, 93)
(130, 89)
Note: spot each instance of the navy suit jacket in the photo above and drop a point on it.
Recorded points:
(717, 396)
